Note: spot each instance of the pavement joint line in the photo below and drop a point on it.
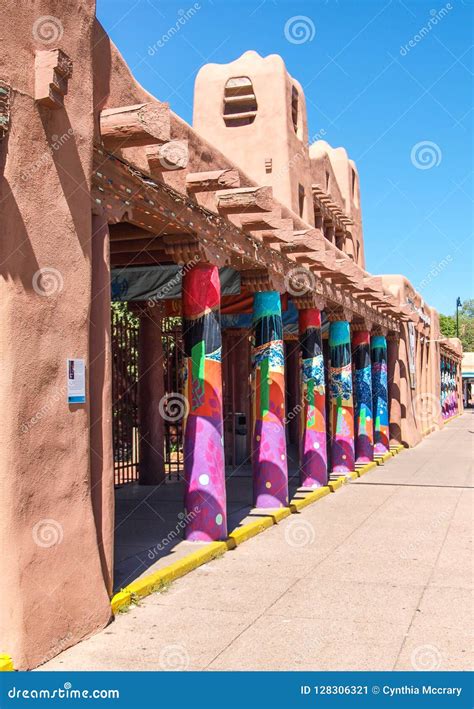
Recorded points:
(267, 518)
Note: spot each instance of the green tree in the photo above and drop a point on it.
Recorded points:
(466, 325)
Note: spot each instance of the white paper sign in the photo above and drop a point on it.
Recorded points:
(76, 381)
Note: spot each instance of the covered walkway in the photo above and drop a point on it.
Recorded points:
(377, 576)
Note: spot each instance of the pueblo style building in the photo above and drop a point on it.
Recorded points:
(233, 251)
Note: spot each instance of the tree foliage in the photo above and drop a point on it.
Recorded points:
(466, 325)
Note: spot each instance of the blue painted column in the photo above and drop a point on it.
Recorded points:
(378, 347)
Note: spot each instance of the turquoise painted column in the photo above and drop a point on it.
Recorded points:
(269, 458)
(378, 347)
(341, 399)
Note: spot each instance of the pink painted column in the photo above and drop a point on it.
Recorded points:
(313, 453)
(204, 469)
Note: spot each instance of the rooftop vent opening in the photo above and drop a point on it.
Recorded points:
(240, 102)
(294, 108)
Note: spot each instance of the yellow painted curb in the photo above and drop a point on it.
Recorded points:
(145, 586)
(298, 504)
(247, 531)
(6, 663)
(276, 515)
(120, 601)
(158, 579)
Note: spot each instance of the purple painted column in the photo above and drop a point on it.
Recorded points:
(204, 470)
(313, 453)
(269, 459)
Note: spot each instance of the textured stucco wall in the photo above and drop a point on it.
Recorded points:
(52, 581)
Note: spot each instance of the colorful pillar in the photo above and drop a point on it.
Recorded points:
(378, 347)
(364, 423)
(394, 388)
(341, 401)
(313, 453)
(269, 460)
(204, 470)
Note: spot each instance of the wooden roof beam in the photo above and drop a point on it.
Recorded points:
(211, 181)
(135, 126)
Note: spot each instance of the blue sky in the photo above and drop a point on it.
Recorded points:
(372, 82)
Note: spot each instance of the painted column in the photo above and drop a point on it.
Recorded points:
(269, 459)
(204, 469)
(394, 388)
(150, 395)
(313, 453)
(364, 422)
(378, 347)
(443, 387)
(341, 400)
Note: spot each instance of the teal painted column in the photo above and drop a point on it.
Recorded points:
(378, 348)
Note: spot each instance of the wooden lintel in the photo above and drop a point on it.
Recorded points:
(153, 244)
(257, 221)
(135, 126)
(214, 180)
(245, 198)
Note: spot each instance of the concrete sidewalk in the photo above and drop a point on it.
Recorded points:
(377, 576)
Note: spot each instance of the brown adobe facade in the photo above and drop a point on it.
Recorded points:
(99, 174)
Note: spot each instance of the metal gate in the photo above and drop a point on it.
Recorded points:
(173, 360)
(125, 331)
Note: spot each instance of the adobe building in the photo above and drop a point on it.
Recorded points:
(235, 252)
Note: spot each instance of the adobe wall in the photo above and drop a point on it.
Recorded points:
(421, 411)
(53, 588)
